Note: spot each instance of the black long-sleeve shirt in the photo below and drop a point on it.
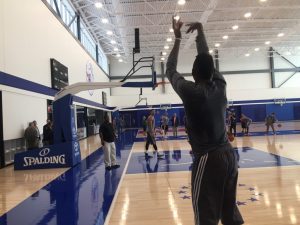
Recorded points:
(204, 103)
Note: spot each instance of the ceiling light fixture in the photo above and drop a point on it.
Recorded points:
(98, 5)
(248, 15)
(268, 42)
(235, 27)
(162, 58)
(263, 0)
(166, 47)
(109, 32)
(118, 55)
(120, 60)
(225, 37)
(104, 20)
(164, 53)
(256, 49)
(280, 35)
(288, 53)
(247, 54)
(169, 39)
(211, 51)
(113, 42)
(177, 17)
(217, 45)
(116, 49)
(171, 30)
(181, 2)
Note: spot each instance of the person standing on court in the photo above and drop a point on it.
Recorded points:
(151, 133)
(175, 124)
(165, 125)
(245, 122)
(270, 120)
(108, 136)
(47, 133)
(38, 131)
(215, 169)
(232, 122)
(31, 137)
(144, 124)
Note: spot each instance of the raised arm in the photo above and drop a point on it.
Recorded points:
(173, 57)
(200, 39)
(202, 47)
(177, 80)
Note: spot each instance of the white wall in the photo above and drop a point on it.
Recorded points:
(29, 36)
(18, 111)
(239, 86)
(32, 35)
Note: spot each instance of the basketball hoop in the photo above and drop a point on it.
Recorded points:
(165, 107)
(279, 101)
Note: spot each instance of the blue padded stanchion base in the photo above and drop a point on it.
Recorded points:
(54, 156)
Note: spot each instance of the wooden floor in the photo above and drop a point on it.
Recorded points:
(267, 195)
(16, 186)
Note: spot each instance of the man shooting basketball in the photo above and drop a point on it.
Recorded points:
(214, 173)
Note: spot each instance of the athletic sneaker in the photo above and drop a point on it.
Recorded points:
(108, 168)
(158, 154)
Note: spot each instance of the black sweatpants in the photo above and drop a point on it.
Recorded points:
(150, 140)
(232, 129)
(214, 181)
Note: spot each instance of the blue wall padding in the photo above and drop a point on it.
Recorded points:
(256, 112)
(283, 113)
(296, 111)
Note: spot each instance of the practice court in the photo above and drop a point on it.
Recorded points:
(155, 190)
(86, 86)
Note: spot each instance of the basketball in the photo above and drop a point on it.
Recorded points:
(279, 125)
(230, 136)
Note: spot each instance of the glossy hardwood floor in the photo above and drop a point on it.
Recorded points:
(266, 195)
(16, 186)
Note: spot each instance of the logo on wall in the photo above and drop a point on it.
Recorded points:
(90, 75)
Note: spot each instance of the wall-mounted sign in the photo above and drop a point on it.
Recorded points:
(59, 75)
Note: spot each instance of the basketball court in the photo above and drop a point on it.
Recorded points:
(109, 58)
(156, 190)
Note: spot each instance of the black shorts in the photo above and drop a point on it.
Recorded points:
(165, 127)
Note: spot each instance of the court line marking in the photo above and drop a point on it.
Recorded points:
(112, 205)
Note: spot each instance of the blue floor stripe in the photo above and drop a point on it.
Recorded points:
(82, 195)
(260, 133)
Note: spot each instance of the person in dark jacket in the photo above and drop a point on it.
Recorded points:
(31, 136)
(215, 168)
(232, 122)
(108, 136)
(175, 124)
(47, 133)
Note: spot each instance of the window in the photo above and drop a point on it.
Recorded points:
(67, 14)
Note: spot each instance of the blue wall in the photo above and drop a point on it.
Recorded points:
(255, 112)
(296, 111)
(138, 115)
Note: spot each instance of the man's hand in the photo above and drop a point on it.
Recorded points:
(177, 24)
(194, 26)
